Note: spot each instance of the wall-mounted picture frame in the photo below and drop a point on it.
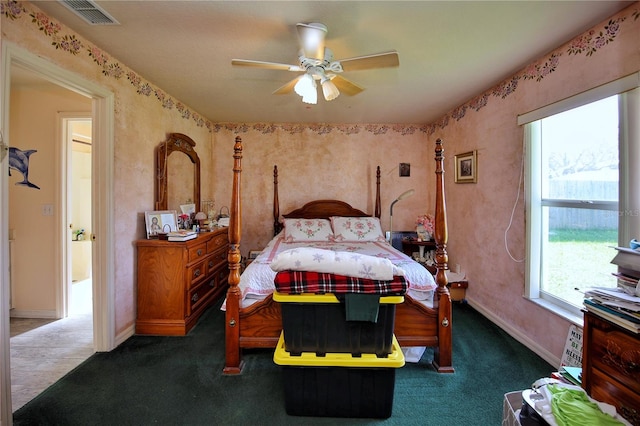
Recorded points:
(466, 167)
(405, 169)
(160, 222)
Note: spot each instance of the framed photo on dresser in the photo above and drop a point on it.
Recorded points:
(160, 222)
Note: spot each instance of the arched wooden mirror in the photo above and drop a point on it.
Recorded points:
(178, 173)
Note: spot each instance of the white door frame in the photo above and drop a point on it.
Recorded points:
(102, 205)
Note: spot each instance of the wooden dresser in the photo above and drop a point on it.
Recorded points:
(611, 366)
(177, 281)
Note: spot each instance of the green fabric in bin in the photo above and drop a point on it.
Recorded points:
(361, 307)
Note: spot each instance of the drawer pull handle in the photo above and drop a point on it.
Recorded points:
(196, 273)
(199, 252)
(211, 263)
(212, 283)
(194, 298)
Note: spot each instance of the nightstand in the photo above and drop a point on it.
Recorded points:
(410, 246)
(458, 289)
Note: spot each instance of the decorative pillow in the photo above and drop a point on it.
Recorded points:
(356, 229)
(303, 230)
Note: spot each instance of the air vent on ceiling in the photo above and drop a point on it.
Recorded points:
(90, 12)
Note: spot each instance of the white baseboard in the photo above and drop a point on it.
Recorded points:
(125, 334)
(18, 313)
(516, 334)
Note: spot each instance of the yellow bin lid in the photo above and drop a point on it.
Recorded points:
(309, 359)
(325, 298)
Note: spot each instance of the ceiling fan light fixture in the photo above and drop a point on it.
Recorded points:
(317, 63)
(311, 98)
(305, 85)
(329, 90)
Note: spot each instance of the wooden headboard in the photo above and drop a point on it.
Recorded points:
(320, 209)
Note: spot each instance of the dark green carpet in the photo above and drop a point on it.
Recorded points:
(178, 381)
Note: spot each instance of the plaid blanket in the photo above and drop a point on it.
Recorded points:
(297, 282)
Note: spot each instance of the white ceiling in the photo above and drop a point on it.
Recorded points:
(449, 51)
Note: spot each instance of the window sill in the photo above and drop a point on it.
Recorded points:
(569, 316)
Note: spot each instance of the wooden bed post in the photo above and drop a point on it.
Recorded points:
(442, 356)
(277, 227)
(233, 363)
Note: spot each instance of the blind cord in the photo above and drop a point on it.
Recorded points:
(506, 231)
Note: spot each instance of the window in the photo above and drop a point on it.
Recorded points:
(582, 192)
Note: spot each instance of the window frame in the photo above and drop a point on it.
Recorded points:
(628, 205)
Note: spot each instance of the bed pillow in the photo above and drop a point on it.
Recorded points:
(356, 229)
(305, 230)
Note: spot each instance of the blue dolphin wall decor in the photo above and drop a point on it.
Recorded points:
(19, 160)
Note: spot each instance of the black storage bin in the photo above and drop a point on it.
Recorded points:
(339, 391)
(317, 323)
(339, 384)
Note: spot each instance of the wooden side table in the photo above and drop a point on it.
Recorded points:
(458, 289)
(409, 246)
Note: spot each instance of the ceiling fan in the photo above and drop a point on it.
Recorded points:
(318, 64)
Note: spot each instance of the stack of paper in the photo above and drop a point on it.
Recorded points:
(615, 305)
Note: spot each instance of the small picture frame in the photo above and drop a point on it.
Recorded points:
(466, 167)
(188, 209)
(160, 222)
(405, 169)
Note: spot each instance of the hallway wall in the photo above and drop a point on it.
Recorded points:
(33, 120)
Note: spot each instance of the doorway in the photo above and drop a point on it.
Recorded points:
(102, 107)
(63, 186)
(77, 143)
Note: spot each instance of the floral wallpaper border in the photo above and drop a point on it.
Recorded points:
(587, 44)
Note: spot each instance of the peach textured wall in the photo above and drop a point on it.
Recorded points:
(330, 165)
(479, 214)
(144, 115)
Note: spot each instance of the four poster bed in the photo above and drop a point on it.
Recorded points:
(423, 319)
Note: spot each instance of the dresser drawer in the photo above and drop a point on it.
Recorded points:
(199, 294)
(196, 273)
(606, 389)
(617, 355)
(218, 259)
(221, 240)
(197, 252)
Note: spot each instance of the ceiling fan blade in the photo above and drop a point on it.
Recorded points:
(267, 65)
(311, 38)
(345, 86)
(287, 88)
(377, 60)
